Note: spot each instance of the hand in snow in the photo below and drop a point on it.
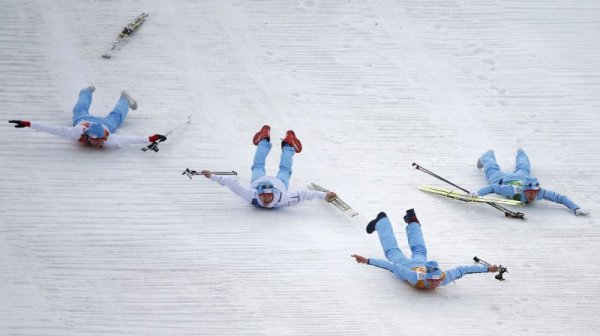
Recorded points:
(157, 138)
(20, 123)
(580, 212)
(206, 173)
(360, 259)
(330, 195)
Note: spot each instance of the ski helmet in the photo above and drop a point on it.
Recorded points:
(531, 183)
(95, 131)
(432, 270)
(264, 188)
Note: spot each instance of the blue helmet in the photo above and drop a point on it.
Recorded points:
(531, 183)
(95, 131)
(433, 271)
(264, 188)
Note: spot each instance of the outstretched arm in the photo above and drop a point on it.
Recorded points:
(564, 200)
(400, 271)
(460, 271)
(115, 140)
(232, 183)
(501, 189)
(73, 133)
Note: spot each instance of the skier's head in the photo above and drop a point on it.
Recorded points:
(95, 134)
(433, 275)
(265, 193)
(531, 188)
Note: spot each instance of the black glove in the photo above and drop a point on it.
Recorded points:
(20, 123)
(157, 138)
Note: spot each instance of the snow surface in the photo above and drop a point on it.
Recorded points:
(120, 243)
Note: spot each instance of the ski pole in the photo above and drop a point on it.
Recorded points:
(154, 146)
(502, 268)
(187, 121)
(191, 173)
(507, 212)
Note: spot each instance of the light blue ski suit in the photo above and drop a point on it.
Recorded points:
(279, 184)
(514, 185)
(413, 269)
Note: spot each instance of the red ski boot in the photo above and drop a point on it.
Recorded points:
(290, 139)
(264, 133)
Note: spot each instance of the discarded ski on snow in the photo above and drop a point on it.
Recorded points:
(466, 198)
(125, 34)
(336, 201)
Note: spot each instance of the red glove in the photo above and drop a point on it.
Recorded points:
(157, 138)
(20, 123)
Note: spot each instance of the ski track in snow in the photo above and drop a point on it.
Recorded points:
(119, 242)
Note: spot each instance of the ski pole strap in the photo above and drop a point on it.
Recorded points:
(153, 146)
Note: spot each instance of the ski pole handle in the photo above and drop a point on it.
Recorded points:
(500, 273)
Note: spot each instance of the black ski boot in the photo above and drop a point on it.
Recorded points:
(411, 217)
(371, 225)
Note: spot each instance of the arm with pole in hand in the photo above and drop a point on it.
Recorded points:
(501, 269)
(158, 138)
(191, 173)
(507, 212)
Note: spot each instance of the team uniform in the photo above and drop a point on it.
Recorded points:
(86, 125)
(281, 197)
(416, 270)
(516, 184)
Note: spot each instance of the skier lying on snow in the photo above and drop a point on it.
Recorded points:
(270, 191)
(95, 131)
(519, 185)
(416, 270)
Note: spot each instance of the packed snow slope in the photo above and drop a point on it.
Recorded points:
(118, 242)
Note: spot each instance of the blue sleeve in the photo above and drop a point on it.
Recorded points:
(501, 189)
(557, 198)
(400, 271)
(460, 271)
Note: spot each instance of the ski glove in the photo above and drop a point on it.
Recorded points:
(20, 123)
(157, 138)
(579, 212)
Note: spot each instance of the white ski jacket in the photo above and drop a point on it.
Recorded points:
(281, 197)
(75, 132)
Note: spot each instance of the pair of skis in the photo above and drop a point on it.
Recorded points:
(124, 35)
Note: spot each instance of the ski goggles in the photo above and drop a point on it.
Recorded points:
(431, 269)
(532, 186)
(264, 189)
